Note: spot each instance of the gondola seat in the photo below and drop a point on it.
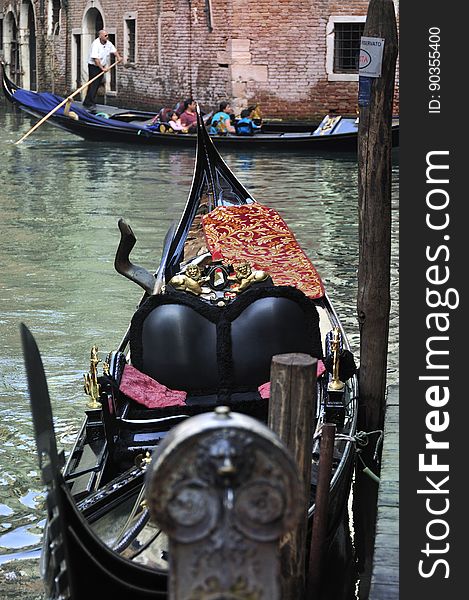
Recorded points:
(187, 344)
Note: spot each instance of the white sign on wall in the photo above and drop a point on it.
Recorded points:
(371, 56)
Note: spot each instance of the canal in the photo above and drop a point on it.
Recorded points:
(60, 200)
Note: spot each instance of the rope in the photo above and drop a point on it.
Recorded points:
(366, 469)
(361, 440)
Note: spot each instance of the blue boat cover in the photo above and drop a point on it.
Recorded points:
(44, 102)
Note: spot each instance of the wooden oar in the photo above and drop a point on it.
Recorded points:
(85, 85)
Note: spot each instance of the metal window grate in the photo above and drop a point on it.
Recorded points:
(130, 23)
(347, 46)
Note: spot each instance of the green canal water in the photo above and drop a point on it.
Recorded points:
(60, 200)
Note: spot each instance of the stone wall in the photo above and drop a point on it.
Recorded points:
(269, 52)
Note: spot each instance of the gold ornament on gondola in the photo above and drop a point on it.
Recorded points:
(190, 281)
(246, 276)
(335, 384)
(92, 387)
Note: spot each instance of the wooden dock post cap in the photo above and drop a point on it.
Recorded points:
(294, 358)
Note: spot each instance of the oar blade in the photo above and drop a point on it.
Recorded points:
(41, 409)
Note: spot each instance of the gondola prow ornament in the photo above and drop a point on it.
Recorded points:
(224, 489)
(336, 384)
(91, 385)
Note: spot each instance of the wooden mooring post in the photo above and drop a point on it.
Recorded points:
(318, 536)
(292, 409)
(373, 303)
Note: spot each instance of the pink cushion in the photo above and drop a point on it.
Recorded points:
(145, 390)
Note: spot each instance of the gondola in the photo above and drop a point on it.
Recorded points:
(110, 124)
(233, 289)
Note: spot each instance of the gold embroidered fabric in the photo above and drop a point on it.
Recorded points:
(258, 234)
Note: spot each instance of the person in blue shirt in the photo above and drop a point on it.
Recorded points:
(245, 125)
(221, 120)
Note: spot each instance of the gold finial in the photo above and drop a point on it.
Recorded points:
(92, 387)
(335, 384)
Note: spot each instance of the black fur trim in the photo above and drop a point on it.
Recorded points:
(222, 317)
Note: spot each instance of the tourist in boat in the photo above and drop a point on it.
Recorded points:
(174, 122)
(189, 116)
(99, 59)
(164, 115)
(245, 125)
(221, 120)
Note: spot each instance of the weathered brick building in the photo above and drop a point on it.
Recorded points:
(297, 58)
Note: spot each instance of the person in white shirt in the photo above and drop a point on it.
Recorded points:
(99, 58)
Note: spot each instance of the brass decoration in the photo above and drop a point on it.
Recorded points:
(190, 281)
(92, 387)
(216, 281)
(245, 276)
(335, 384)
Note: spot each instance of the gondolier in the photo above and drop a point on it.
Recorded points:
(99, 58)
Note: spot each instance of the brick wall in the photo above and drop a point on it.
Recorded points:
(269, 52)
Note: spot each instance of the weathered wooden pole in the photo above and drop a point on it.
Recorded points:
(291, 414)
(373, 303)
(318, 535)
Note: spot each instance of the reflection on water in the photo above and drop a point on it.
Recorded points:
(60, 200)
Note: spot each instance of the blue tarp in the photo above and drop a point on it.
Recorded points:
(44, 102)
